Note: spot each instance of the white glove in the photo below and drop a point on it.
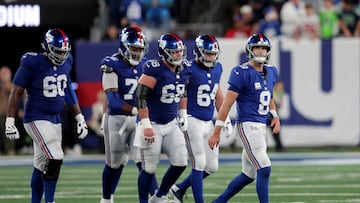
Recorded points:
(134, 111)
(183, 120)
(11, 131)
(228, 128)
(81, 126)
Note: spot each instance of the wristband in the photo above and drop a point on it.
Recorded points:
(79, 117)
(146, 122)
(219, 123)
(274, 113)
(183, 113)
(10, 121)
(134, 111)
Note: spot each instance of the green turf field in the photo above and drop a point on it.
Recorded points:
(333, 183)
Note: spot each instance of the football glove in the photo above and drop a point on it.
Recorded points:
(183, 120)
(81, 126)
(11, 131)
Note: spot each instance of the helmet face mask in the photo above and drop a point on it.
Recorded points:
(57, 46)
(258, 40)
(172, 49)
(132, 45)
(207, 50)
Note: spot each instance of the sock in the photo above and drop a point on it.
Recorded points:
(262, 184)
(144, 181)
(238, 183)
(197, 185)
(110, 179)
(37, 187)
(116, 179)
(49, 189)
(170, 177)
(153, 185)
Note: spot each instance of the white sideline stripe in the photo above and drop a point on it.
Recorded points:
(276, 159)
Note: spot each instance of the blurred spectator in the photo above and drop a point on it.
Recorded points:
(244, 24)
(309, 27)
(114, 12)
(7, 146)
(132, 12)
(328, 20)
(69, 141)
(291, 14)
(270, 25)
(24, 145)
(97, 111)
(278, 94)
(112, 33)
(277, 4)
(349, 21)
(258, 7)
(158, 14)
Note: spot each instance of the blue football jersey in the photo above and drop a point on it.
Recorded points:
(163, 101)
(201, 91)
(127, 79)
(46, 86)
(255, 91)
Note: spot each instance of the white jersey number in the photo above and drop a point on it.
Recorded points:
(54, 85)
(205, 96)
(168, 97)
(264, 102)
(133, 84)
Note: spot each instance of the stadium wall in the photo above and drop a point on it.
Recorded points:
(321, 80)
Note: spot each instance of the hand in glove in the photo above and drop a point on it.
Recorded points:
(183, 120)
(81, 126)
(11, 131)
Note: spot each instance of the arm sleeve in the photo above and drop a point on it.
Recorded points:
(142, 93)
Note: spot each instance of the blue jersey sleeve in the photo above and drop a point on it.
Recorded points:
(236, 79)
(23, 74)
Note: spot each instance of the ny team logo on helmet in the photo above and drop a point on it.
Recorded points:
(169, 44)
(57, 46)
(258, 40)
(132, 44)
(207, 44)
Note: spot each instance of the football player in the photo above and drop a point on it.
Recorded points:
(161, 96)
(120, 73)
(46, 79)
(251, 86)
(204, 95)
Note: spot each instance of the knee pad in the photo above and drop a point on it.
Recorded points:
(150, 168)
(52, 169)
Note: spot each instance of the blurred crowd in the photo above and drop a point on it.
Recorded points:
(297, 19)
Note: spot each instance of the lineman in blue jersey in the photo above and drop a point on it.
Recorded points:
(204, 95)
(251, 86)
(161, 96)
(45, 77)
(121, 72)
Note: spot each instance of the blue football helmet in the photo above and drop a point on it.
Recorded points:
(132, 44)
(258, 40)
(207, 44)
(57, 46)
(169, 44)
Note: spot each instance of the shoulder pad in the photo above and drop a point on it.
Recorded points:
(106, 69)
(244, 66)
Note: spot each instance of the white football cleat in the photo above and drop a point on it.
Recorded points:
(156, 199)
